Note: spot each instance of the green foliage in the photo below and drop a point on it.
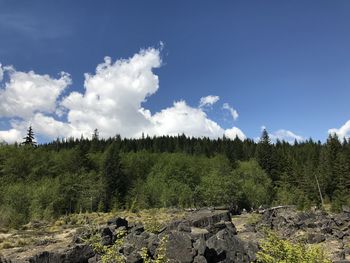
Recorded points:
(78, 175)
(109, 254)
(114, 181)
(274, 249)
(160, 253)
(255, 184)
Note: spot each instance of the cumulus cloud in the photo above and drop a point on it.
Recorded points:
(113, 96)
(234, 132)
(342, 132)
(27, 93)
(232, 111)
(208, 101)
(11, 136)
(111, 102)
(181, 118)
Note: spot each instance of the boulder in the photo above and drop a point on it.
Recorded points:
(78, 254)
(179, 247)
(118, 222)
(314, 238)
(226, 247)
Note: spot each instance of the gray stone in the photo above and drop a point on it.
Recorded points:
(179, 247)
(314, 238)
(200, 246)
(199, 259)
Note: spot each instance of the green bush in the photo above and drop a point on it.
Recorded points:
(274, 249)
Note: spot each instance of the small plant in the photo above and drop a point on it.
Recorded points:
(274, 249)
(161, 253)
(253, 219)
(153, 226)
(109, 254)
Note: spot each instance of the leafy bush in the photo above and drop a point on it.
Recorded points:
(274, 249)
(160, 255)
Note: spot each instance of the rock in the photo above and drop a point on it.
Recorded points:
(184, 226)
(345, 209)
(338, 233)
(118, 222)
(78, 254)
(200, 246)
(4, 260)
(107, 236)
(200, 259)
(251, 249)
(137, 229)
(203, 219)
(135, 257)
(314, 238)
(202, 236)
(179, 247)
(214, 228)
(94, 259)
(225, 246)
(153, 242)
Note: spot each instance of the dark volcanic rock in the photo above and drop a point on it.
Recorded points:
(179, 247)
(314, 238)
(118, 222)
(202, 236)
(226, 247)
(78, 254)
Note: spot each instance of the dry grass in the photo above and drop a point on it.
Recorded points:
(61, 231)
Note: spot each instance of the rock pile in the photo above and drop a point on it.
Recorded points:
(312, 227)
(203, 236)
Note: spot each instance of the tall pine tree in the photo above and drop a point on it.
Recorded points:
(29, 140)
(115, 183)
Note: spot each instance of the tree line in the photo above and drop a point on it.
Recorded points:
(77, 175)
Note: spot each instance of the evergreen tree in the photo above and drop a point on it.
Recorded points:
(29, 139)
(266, 157)
(115, 184)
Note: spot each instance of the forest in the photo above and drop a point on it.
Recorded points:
(85, 175)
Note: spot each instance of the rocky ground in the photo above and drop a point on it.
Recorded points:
(206, 235)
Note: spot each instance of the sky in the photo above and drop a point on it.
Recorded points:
(203, 68)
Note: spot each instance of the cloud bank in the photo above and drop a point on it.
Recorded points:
(111, 102)
(285, 135)
(342, 132)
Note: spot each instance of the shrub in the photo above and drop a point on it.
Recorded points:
(274, 249)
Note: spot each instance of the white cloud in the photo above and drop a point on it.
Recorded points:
(11, 136)
(208, 101)
(111, 102)
(181, 118)
(1, 73)
(113, 96)
(284, 135)
(234, 132)
(342, 132)
(27, 93)
(232, 111)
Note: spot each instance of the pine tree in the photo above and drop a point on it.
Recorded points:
(29, 139)
(265, 155)
(115, 183)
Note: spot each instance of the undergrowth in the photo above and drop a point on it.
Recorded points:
(274, 249)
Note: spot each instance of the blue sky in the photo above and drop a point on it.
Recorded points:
(280, 64)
